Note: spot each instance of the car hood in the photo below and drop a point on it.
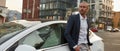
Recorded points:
(93, 37)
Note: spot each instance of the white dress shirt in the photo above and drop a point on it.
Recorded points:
(83, 30)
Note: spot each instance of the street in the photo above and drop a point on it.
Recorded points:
(111, 40)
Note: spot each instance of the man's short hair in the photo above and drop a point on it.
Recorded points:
(84, 2)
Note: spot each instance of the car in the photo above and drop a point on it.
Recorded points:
(93, 29)
(26, 23)
(109, 28)
(115, 30)
(46, 36)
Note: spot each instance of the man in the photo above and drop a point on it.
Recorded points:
(77, 30)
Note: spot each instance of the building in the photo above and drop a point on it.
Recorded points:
(3, 14)
(54, 9)
(30, 9)
(116, 20)
(3, 11)
(101, 11)
(58, 9)
(2, 2)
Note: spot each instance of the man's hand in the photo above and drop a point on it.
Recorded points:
(77, 48)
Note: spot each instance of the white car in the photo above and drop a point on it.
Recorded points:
(47, 36)
(109, 28)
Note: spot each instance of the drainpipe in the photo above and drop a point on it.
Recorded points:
(33, 9)
(27, 8)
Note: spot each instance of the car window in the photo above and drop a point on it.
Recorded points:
(8, 30)
(63, 27)
(8, 36)
(36, 38)
(44, 37)
(32, 39)
(54, 37)
(10, 27)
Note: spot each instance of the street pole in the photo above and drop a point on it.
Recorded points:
(27, 8)
(33, 9)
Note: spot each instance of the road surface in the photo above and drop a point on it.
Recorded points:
(111, 40)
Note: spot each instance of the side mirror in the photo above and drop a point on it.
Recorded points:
(25, 48)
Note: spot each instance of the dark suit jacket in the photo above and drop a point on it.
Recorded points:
(72, 31)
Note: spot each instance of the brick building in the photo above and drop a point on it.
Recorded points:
(3, 11)
(2, 2)
(2, 19)
(30, 9)
(116, 20)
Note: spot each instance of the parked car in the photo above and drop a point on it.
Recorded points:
(93, 29)
(109, 28)
(47, 36)
(115, 30)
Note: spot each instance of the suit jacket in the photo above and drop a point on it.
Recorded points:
(72, 31)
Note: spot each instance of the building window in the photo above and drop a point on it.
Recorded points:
(42, 6)
(51, 5)
(100, 0)
(55, 5)
(47, 6)
(58, 4)
(103, 6)
(93, 1)
(84, 0)
(92, 6)
(24, 10)
(43, 1)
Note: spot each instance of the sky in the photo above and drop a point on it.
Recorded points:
(14, 5)
(116, 5)
(17, 5)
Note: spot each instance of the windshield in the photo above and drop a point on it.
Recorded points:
(8, 30)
